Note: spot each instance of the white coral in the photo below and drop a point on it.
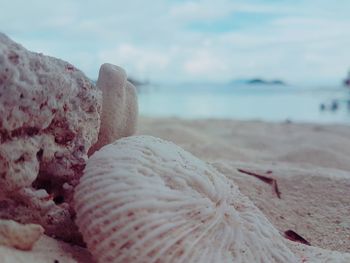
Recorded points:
(142, 199)
(120, 109)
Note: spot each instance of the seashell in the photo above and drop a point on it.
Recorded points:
(142, 199)
(19, 236)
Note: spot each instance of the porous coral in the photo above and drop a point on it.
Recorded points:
(49, 118)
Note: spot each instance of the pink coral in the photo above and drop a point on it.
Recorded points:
(50, 117)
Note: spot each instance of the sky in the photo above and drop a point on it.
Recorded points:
(299, 41)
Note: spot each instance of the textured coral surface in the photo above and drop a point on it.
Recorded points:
(142, 199)
(49, 118)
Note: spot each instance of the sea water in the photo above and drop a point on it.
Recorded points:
(247, 102)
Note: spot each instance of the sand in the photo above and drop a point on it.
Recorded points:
(46, 250)
(310, 162)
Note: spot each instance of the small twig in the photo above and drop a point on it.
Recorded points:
(265, 179)
(259, 176)
(291, 235)
(275, 187)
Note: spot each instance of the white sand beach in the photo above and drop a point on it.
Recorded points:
(310, 163)
(251, 168)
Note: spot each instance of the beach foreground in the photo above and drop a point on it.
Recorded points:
(309, 162)
(67, 171)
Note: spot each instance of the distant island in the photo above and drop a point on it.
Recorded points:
(347, 80)
(137, 82)
(133, 81)
(259, 81)
(266, 82)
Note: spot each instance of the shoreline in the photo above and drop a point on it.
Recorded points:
(145, 117)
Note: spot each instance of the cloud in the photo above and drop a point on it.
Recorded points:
(137, 60)
(204, 63)
(192, 10)
(189, 40)
(207, 10)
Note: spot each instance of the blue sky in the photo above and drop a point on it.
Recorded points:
(301, 41)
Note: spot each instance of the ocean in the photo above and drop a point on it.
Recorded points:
(247, 102)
